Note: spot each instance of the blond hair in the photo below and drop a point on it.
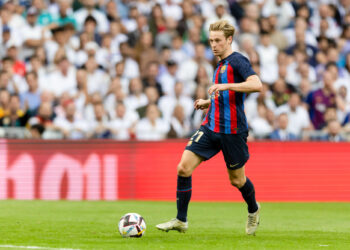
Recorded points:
(224, 26)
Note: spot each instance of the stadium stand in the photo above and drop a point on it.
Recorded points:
(131, 69)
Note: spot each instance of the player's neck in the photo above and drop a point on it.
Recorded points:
(226, 54)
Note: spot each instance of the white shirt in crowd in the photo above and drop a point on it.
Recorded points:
(260, 127)
(17, 83)
(101, 19)
(77, 129)
(132, 69)
(285, 12)
(120, 126)
(182, 130)
(147, 132)
(294, 77)
(297, 120)
(32, 33)
(268, 60)
(98, 81)
(51, 48)
(173, 11)
(167, 81)
(133, 102)
(58, 83)
(167, 104)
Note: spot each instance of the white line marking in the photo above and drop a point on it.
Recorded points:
(35, 247)
(324, 245)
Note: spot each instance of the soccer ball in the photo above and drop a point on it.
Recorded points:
(132, 225)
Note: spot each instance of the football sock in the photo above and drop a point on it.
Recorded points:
(248, 193)
(183, 196)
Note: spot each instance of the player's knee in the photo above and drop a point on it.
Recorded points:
(183, 170)
(237, 182)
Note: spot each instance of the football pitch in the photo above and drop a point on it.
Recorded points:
(93, 225)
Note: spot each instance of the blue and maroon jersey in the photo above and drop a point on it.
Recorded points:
(226, 110)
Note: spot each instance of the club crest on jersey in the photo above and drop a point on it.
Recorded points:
(223, 69)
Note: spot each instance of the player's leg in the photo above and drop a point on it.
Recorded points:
(246, 187)
(202, 146)
(235, 151)
(189, 161)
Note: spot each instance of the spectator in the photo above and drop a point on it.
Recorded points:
(19, 67)
(44, 116)
(180, 126)
(4, 79)
(131, 68)
(280, 93)
(261, 128)
(298, 116)
(63, 79)
(188, 69)
(152, 127)
(69, 125)
(172, 10)
(16, 83)
(198, 115)
(136, 98)
(123, 125)
(318, 100)
(99, 128)
(33, 35)
(65, 14)
(4, 102)
(36, 131)
(168, 103)
(178, 54)
(282, 8)
(115, 94)
(268, 59)
(157, 22)
(89, 9)
(333, 132)
(97, 79)
(282, 133)
(168, 79)
(30, 100)
(15, 117)
(220, 14)
(150, 79)
(44, 17)
(152, 97)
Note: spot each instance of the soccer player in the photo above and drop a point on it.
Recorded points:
(224, 128)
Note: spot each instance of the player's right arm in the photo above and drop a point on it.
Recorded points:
(201, 104)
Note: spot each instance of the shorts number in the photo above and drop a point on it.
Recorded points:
(197, 135)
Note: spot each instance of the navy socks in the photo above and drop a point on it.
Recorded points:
(248, 193)
(183, 196)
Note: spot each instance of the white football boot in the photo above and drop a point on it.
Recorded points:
(253, 222)
(174, 224)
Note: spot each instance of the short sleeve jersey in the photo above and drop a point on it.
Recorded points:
(226, 110)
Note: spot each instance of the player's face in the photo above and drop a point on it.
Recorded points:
(218, 42)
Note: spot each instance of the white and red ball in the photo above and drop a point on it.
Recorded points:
(132, 225)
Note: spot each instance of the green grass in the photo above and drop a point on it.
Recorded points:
(93, 225)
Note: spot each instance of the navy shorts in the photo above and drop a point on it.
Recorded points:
(207, 143)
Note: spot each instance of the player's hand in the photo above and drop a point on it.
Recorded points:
(214, 89)
(201, 104)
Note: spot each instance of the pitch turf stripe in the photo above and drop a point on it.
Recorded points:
(35, 247)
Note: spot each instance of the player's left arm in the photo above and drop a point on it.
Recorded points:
(251, 84)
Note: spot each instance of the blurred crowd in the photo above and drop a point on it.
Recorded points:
(131, 69)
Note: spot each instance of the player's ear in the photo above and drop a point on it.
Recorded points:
(229, 39)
